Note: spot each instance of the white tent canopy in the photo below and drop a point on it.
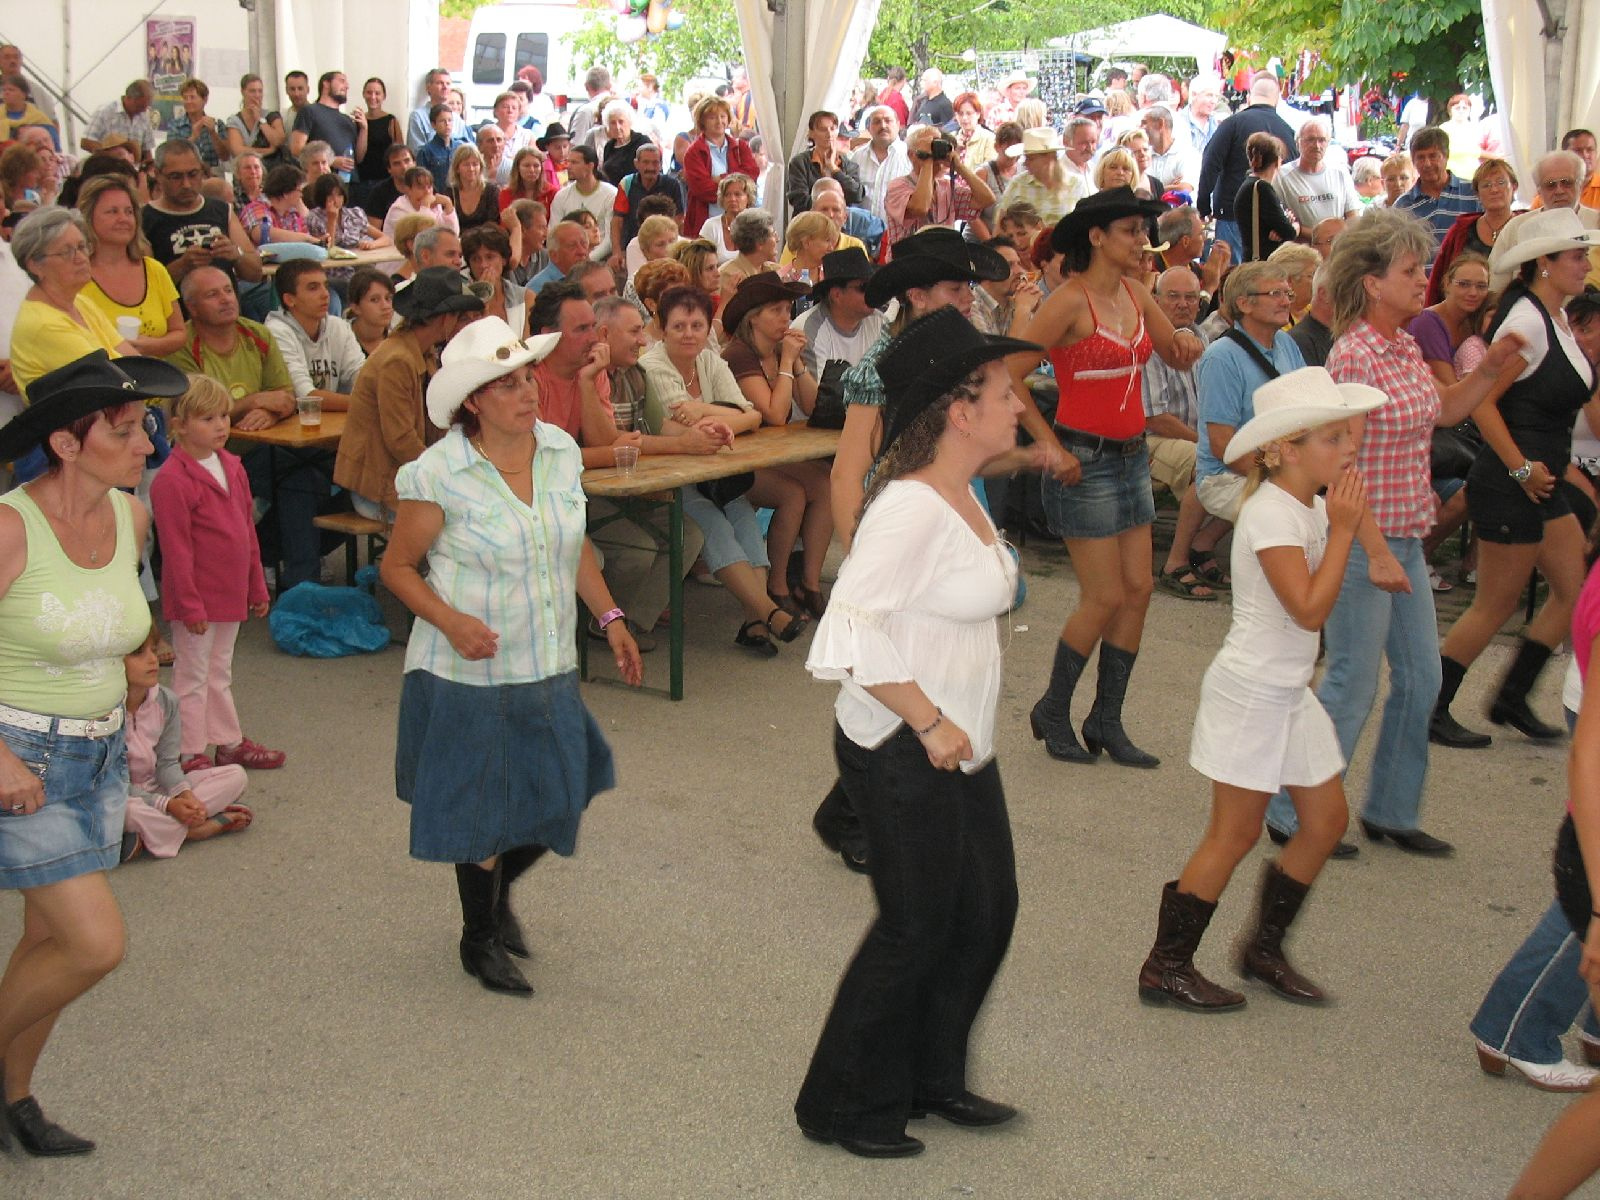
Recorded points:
(1546, 75)
(1155, 36)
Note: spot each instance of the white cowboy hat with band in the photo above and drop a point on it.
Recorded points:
(1043, 140)
(1546, 231)
(1297, 402)
(482, 352)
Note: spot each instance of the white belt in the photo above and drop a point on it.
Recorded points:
(40, 723)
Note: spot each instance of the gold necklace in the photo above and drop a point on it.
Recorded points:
(61, 523)
(478, 446)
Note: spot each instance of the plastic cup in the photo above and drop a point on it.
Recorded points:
(627, 458)
(128, 327)
(310, 410)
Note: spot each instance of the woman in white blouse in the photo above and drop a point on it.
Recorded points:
(735, 193)
(687, 385)
(911, 634)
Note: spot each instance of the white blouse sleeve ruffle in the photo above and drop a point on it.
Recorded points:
(894, 559)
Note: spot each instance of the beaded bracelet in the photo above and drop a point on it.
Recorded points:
(937, 721)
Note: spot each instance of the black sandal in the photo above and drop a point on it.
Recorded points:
(1185, 584)
(813, 600)
(795, 627)
(789, 602)
(1208, 570)
(761, 643)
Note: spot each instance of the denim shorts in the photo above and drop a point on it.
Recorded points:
(731, 533)
(79, 827)
(1113, 495)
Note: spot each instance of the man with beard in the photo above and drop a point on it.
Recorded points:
(323, 122)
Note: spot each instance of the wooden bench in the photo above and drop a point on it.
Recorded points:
(350, 527)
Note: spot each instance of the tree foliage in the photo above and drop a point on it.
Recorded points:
(917, 34)
(706, 42)
(1435, 47)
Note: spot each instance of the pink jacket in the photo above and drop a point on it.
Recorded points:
(210, 560)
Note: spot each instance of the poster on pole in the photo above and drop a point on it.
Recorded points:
(169, 57)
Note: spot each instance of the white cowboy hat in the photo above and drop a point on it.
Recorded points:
(1043, 140)
(1546, 231)
(482, 352)
(1299, 401)
(1017, 76)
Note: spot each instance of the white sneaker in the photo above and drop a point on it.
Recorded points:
(1559, 1076)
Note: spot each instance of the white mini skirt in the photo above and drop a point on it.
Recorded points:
(1262, 737)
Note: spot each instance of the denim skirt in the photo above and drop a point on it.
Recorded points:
(488, 769)
(79, 828)
(1113, 496)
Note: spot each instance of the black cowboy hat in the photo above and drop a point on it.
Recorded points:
(766, 287)
(85, 385)
(434, 292)
(553, 132)
(842, 266)
(928, 359)
(930, 256)
(1098, 211)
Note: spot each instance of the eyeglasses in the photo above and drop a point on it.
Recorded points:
(180, 176)
(1190, 297)
(1563, 184)
(1275, 294)
(70, 253)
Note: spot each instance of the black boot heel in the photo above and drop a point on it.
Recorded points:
(1060, 744)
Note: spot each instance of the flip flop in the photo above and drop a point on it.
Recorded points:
(236, 818)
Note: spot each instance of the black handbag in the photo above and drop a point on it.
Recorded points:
(828, 411)
(729, 488)
(1453, 452)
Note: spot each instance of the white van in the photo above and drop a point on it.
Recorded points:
(504, 38)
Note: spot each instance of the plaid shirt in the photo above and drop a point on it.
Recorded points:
(1169, 390)
(1396, 448)
(952, 202)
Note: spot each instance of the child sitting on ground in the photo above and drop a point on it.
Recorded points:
(167, 808)
(211, 576)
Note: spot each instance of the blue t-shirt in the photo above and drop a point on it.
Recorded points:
(1226, 379)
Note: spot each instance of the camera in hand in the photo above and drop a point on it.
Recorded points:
(942, 149)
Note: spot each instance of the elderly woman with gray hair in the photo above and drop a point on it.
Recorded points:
(56, 322)
(755, 243)
(1378, 280)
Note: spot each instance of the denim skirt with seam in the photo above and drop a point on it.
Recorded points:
(79, 827)
(488, 769)
(1112, 497)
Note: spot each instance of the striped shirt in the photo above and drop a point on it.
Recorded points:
(512, 566)
(1397, 445)
(1440, 213)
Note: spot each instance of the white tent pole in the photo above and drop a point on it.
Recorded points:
(789, 76)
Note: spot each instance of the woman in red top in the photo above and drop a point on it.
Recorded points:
(1100, 329)
(711, 155)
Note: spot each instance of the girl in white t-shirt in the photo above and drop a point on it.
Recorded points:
(1259, 726)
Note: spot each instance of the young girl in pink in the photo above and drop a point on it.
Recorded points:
(167, 807)
(211, 574)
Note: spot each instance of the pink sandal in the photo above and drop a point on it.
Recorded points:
(250, 755)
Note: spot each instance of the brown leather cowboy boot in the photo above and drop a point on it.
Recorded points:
(1169, 973)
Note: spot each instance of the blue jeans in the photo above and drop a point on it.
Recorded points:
(1228, 231)
(1537, 995)
(1366, 626)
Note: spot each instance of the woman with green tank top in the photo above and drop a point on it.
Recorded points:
(70, 608)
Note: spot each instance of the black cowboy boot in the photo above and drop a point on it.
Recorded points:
(1443, 729)
(39, 1135)
(1261, 954)
(1104, 724)
(482, 955)
(507, 928)
(1510, 705)
(1051, 718)
(1169, 972)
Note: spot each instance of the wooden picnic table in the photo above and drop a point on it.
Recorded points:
(654, 486)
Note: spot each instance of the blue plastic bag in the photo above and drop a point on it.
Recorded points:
(315, 621)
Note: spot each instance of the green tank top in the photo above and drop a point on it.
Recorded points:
(64, 628)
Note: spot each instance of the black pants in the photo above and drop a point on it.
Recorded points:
(946, 884)
(1572, 880)
(298, 494)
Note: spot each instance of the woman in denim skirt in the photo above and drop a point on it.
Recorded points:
(496, 753)
(70, 608)
(1100, 327)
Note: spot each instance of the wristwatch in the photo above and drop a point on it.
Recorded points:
(1523, 473)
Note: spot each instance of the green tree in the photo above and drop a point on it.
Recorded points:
(1435, 46)
(706, 42)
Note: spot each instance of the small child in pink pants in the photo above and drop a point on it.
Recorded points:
(211, 576)
(167, 807)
